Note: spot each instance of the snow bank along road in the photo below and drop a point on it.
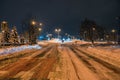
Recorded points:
(55, 62)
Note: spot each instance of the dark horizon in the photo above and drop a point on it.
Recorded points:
(65, 14)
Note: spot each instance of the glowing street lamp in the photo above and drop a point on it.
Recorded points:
(113, 31)
(33, 22)
(4, 22)
(58, 31)
(3, 31)
(93, 29)
(40, 24)
(39, 29)
(93, 34)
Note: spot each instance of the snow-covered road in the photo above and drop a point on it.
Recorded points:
(60, 62)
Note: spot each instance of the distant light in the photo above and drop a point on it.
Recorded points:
(40, 24)
(48, 38)
(39, 29)
(63, 39)
(93, 29)
(4, 22)
(57, 30)
(113, 30)
(41, 37)
(3, 31)
(33, 22)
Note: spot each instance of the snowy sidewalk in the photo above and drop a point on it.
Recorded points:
(17, 49)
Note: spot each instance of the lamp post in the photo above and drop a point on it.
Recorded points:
(93, 33)
(32, 32)
(40, 27)
(113, 31)
(58, 31)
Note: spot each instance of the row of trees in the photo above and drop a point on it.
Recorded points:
(29, 35)
(30, 31)
(8, 36)
(90, 31)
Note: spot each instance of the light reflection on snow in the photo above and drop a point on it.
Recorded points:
(59, 41)
(17, 49)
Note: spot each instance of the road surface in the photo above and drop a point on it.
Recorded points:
(56, 62)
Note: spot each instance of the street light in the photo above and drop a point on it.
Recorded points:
(33, 22)
(93, 29)
(40, 24)
(113, 31)
(58, 31)
(39, 29)
(4, 22)
(3, 31)
(93, 34)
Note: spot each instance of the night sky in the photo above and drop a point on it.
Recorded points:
(65, 14)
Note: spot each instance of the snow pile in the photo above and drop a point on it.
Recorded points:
(59, 41)
(43, 43)
(55, 41)
(17, 49)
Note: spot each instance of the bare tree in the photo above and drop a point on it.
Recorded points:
(89, 30)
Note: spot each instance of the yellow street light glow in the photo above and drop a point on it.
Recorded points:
(39, 29)
(33, 22)
(3, 31)
(57, 30)
(113, 31)
(4, 22)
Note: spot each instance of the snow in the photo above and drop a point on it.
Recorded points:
(53, 41)
(116, 46)
(110, 54)
(43, 43)
(17, 49)
(59, 41)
